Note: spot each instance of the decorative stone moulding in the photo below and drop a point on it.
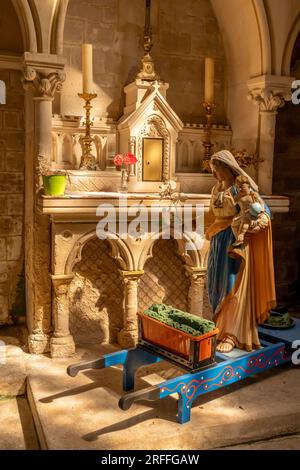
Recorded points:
(86, 181)
(74, 223)
(202, 126)
(270, 92)
(66, 153)
(190, 149)
(147, 114)
(67, 143)
(44, 73)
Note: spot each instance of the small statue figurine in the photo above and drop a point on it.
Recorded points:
(251, 216)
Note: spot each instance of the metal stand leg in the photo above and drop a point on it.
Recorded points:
(184, 409)
(135, 359)
(73, 370)
(107, 360)
(150, 394)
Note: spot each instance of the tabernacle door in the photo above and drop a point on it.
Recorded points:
(153, 159)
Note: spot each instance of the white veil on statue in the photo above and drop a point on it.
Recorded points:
(226, 157)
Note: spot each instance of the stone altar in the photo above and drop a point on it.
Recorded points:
(75, 286)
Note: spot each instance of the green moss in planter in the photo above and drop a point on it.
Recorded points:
(180, 320)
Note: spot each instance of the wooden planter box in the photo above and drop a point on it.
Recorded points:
(193, 352)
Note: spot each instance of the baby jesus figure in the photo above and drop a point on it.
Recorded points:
(252, 217)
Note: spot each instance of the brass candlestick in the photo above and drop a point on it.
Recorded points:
(88, 161)
(207, 143)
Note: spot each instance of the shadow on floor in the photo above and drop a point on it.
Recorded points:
(165, 409)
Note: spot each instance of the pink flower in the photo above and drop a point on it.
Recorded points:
(130, 159)
(119, 159)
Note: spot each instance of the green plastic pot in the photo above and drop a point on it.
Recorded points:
(54, 185)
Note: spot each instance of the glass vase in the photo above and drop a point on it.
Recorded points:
(124, 180)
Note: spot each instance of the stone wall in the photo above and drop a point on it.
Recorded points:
(96, 296)
(183, 34)
(96, 292)
(12, 144)
(165, 279)
(11, 40)
(286, 181)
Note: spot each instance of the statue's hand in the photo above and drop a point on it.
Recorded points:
(260, 223)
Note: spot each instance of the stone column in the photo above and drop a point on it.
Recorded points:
(45, 85)
(40, 86)
(270, 94)
(268, 105)
(128, 336)
(62, 343)
(197, 278)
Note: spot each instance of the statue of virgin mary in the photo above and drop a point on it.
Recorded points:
(240, 280)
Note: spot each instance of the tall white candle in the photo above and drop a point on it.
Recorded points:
(87, 68)
(209, 94)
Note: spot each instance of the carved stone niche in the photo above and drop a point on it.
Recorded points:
(152, 118)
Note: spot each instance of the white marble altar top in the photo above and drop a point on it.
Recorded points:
(86, 203)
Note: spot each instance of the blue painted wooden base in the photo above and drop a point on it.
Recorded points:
(228, 370)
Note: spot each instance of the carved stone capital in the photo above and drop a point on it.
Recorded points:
(270, 92)
(197, 275)
(61, 284)
(267, 100)
(131, 276)
(44, 84)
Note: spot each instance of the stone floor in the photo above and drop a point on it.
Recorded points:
(284, 443)
(83, 413)
(17, 430)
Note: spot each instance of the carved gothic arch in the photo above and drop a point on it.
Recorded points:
(288, 50)
(58, 25)
(31, 26)
(28, 25)
(184, 154)
(119, 251)
(256, 24)
(265, 38)
(196, 258)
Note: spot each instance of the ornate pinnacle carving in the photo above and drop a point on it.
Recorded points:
(45, 85)
(268, 100)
